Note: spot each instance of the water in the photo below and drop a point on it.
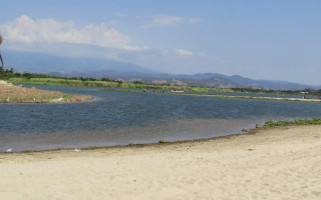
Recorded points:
(116, 118)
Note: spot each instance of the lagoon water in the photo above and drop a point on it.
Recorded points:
(117, 118)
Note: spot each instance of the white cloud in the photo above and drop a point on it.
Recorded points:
(118, 14)
(165, 52)
(112, 22)
(167, 20)
(202, 54)
(135, 48)
(183, 52)
(26, 30)
(194, 20)
(164, 20)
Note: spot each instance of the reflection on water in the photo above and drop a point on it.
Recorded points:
(122, 118)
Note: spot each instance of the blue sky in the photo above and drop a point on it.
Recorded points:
(272, 39)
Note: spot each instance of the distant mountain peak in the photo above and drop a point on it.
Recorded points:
(45, 63)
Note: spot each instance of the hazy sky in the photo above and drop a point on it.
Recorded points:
(270, 39)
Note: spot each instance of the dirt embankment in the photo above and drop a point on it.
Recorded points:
(10, 93)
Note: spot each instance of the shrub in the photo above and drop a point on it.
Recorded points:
(294, 122)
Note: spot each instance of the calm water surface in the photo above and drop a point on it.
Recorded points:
(115, 118)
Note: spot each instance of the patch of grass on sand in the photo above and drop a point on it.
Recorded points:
(294, 122)
(163, 141)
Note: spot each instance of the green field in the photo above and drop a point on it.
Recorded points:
(109, 84)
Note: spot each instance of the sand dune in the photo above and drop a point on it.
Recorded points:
(277, 163)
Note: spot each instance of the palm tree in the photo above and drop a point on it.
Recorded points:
(0, 52)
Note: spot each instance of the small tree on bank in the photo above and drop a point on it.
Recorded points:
(0, 51)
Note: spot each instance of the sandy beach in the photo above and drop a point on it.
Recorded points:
(274, 163)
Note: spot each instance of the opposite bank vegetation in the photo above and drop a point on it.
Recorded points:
(42, 79)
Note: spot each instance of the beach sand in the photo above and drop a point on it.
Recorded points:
(274, 163)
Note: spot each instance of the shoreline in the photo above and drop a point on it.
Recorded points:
(267, 163)
(189, 130)
(137, 145)
(75, 99)
(264, 98)
(251, 131)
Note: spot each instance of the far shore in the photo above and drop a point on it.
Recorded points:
(113, 86)
(215, 95)
(268, 163)
(252, 97)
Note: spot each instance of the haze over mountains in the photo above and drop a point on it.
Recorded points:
(100, 67)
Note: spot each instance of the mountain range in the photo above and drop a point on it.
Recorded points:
(100, 67)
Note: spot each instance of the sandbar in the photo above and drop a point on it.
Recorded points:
(10, 93)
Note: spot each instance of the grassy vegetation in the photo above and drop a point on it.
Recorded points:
(163, 141)
(294, 122)
(105, 83)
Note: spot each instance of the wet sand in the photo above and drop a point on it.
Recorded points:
(274, 163)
